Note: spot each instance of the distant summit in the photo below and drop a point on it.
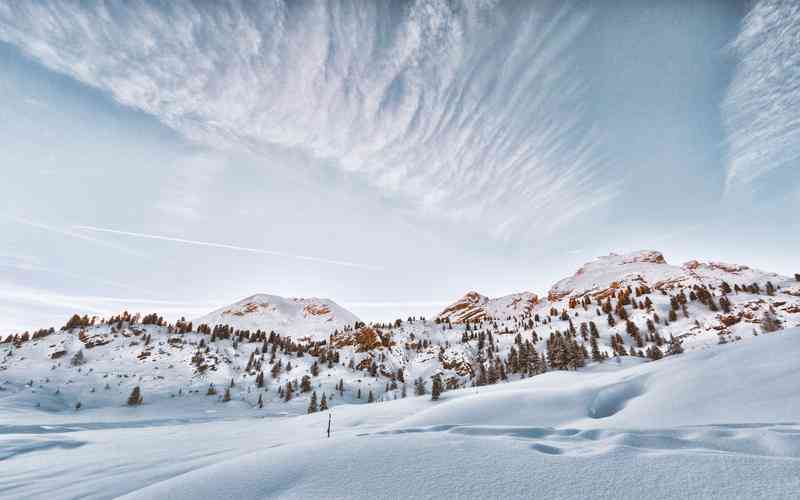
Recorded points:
(314, 318)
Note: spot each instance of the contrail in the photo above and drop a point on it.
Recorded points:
(64, 232)
(230, 247)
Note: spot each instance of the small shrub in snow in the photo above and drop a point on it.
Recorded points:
(136, 397)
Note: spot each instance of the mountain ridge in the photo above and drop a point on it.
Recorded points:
(276, 351)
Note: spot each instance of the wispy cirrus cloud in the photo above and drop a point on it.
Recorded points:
(761, 106)
(468, 111)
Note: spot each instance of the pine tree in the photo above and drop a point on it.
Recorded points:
(436, 389)
(673, 316)
(312, 405)
(323, 404)
(769, 323)
(287, 393)
(654, 353)
(596, 355)
(419, 387)
(78, 359)
(675, 346)
(136, 397)
(593, 330)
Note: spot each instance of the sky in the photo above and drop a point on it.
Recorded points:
(176, 157)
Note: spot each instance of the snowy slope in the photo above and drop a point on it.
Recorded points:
(477, 341)
(293, 317)
(719, 422)
(647, 275)
(648, 267)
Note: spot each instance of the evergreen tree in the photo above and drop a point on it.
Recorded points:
(419, 387)
(78, 359)
(596, 355)
(136, 397)
(436, 389)
(675, 346)
(323, 404)
(312, 405)
(769, 323)
(287, 393)
(593, 330)
(673, 316)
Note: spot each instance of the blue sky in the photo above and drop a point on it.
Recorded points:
(177, 157)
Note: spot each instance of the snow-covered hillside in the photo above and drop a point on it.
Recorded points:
(717, 422)
(475, 307)
(275, 354)
(298, 318)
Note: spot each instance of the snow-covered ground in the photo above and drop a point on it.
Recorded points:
(721, 421)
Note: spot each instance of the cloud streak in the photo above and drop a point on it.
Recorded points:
(230, 247)
(760, 108)
(72, 234)
(467, 111)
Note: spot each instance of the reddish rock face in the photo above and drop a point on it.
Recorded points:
(556, 296)
(722, 266)
(363, 340)
(248, 308)
(316, 309)
(729, 320)
(467, 308)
